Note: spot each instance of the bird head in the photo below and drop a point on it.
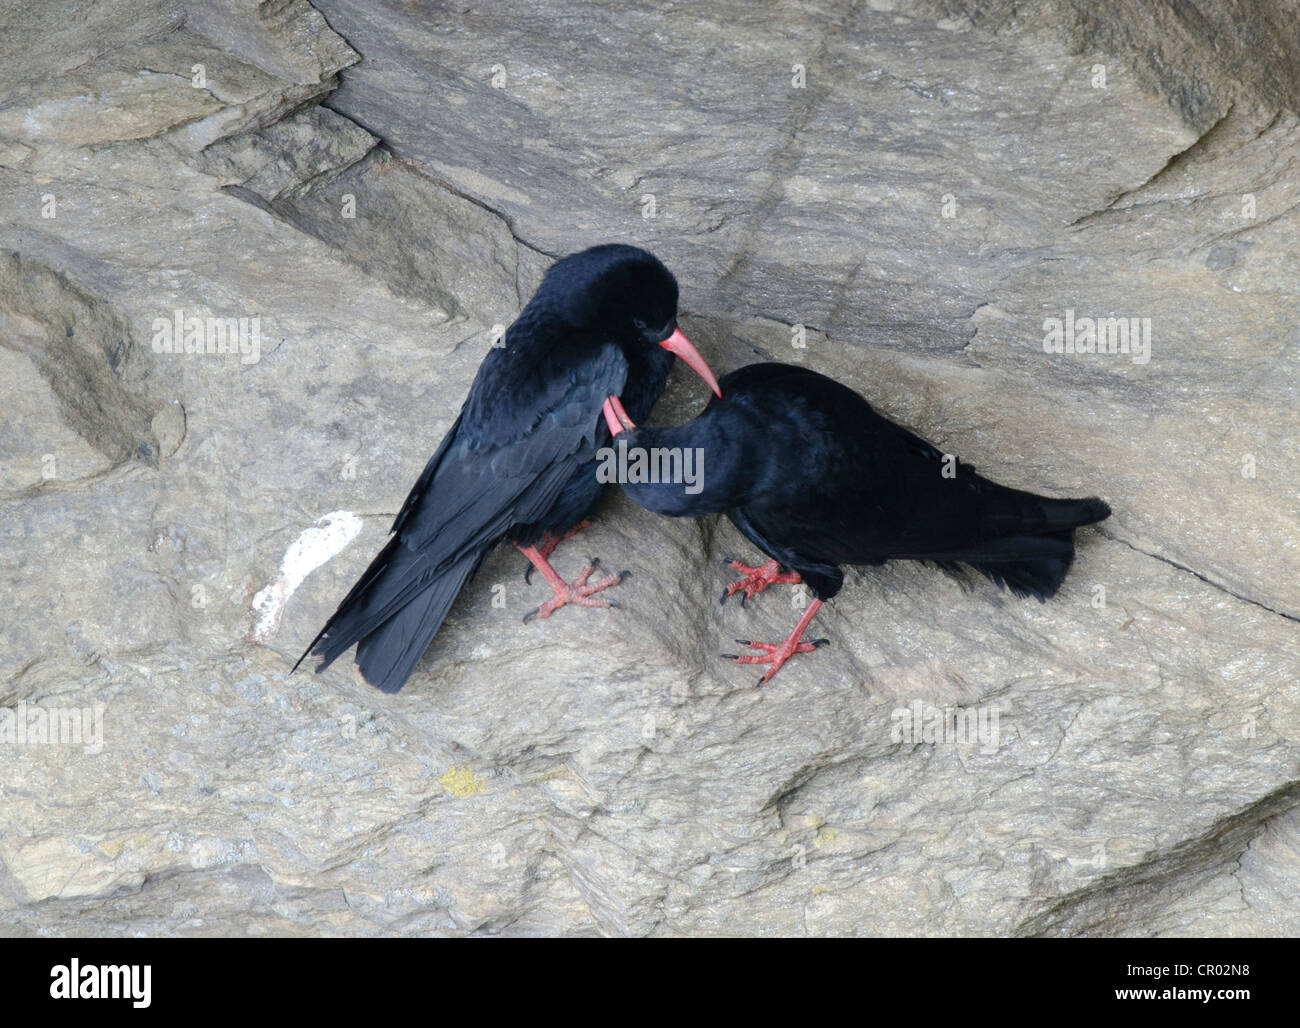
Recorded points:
(628, 295)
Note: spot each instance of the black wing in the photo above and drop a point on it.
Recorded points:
(531, 419)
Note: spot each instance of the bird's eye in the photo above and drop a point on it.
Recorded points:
(640, 325)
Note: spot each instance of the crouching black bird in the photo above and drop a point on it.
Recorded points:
(815, 478)
(520, 461)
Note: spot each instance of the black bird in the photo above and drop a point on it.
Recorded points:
(520, 461)
(815, 478)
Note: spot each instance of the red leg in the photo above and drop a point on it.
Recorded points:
(777, 654)
(756, 579)
(579, 592)
(552, 541)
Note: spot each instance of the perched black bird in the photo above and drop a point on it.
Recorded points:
(519, 463)
(815, 478)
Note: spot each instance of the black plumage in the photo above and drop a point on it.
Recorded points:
(816, 479)
(519, 461)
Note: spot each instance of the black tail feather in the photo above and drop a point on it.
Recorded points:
(388, 655)
(1071, 514)
(392, 614)
(1029, 564)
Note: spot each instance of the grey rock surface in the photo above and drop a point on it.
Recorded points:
(899, 195)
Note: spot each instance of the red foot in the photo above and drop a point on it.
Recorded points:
(756, 579)
(578, 592)
(552, 541)
(777, 654)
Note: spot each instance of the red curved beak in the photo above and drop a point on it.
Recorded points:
(615, 416)
(679, 345)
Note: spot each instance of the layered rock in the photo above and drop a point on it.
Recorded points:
(903, 199)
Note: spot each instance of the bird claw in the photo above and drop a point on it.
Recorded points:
(551, 541)
(579, 592)
(754, 580)
(775, 654)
